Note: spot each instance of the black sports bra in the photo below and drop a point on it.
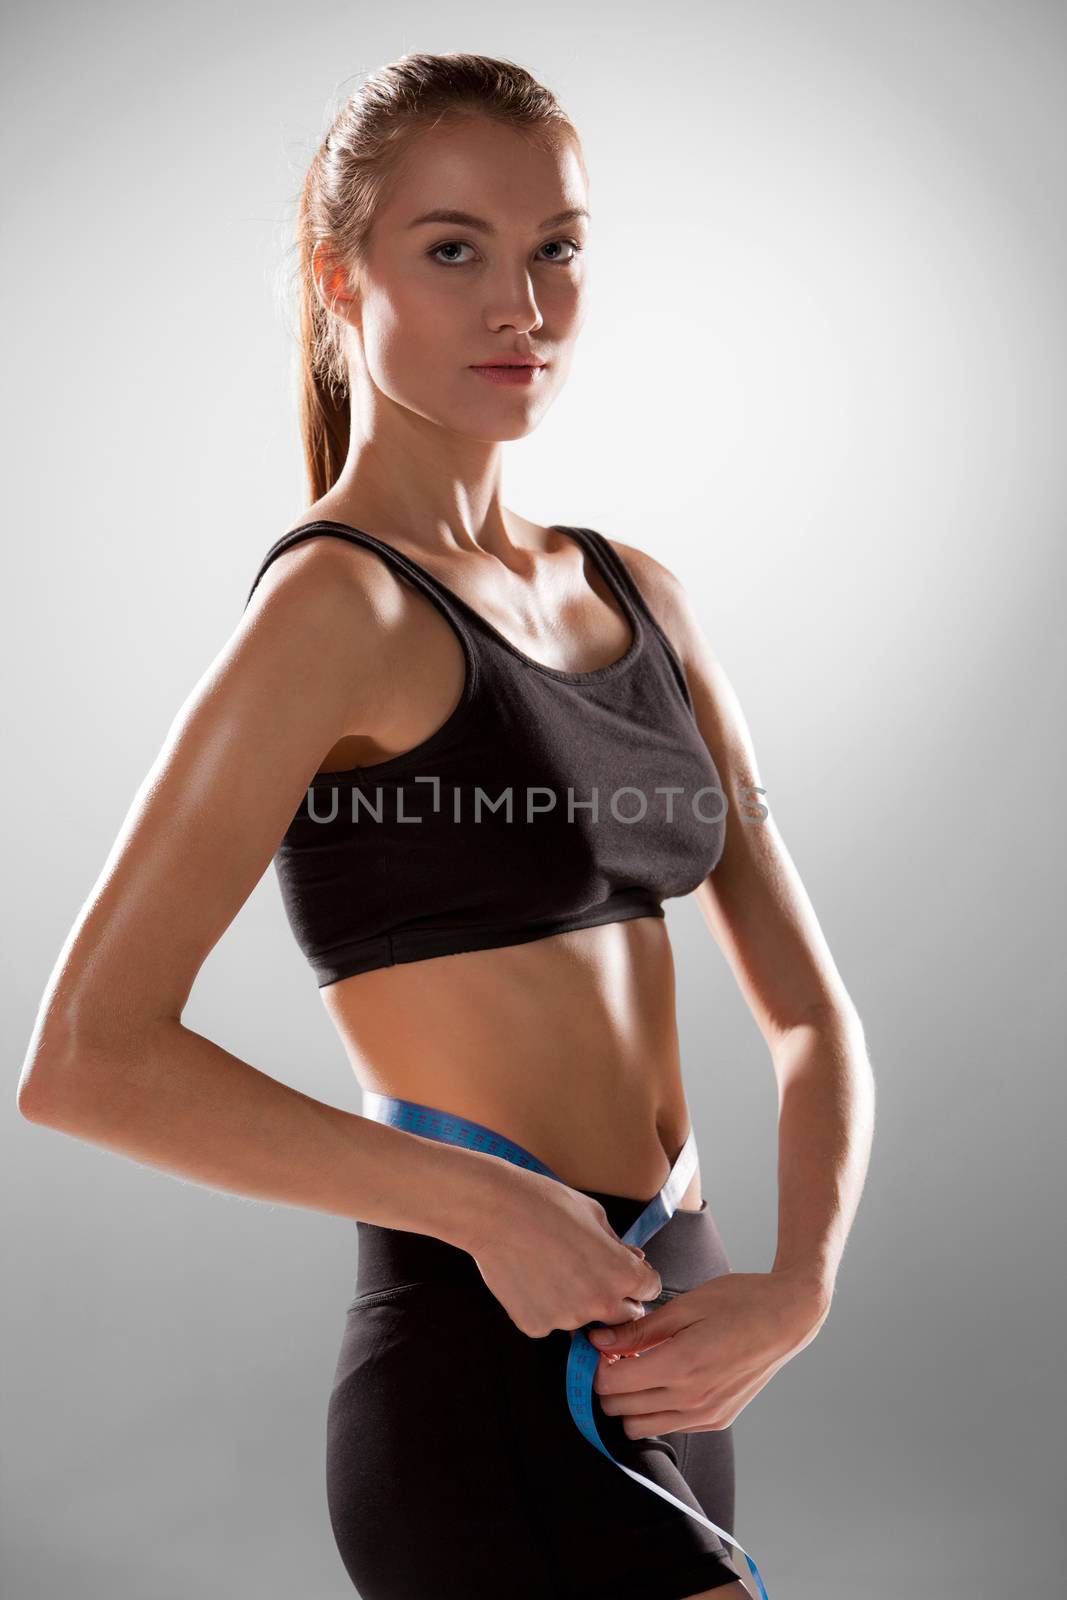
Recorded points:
(546, 800)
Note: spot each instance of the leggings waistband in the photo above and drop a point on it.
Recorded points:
(686, 1251)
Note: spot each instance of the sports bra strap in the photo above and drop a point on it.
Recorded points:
(625, 578)
(620, 571)
(459, 612)
(419, 576)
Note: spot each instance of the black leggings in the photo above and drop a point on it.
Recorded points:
(454, 1469)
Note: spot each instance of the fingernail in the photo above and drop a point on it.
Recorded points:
(603, 1336)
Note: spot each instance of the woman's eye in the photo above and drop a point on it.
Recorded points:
(450, 245)
(576, 250)
(458, 244)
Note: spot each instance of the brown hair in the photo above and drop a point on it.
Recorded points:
(344, 186)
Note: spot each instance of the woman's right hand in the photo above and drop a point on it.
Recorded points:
(551, 1257)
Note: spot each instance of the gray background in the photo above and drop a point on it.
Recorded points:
(823, 379)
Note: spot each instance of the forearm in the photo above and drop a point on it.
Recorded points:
(825, 1129)
(177, 1101)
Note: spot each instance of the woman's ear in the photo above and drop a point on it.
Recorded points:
(334, 287)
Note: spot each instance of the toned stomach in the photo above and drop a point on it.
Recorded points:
(568, 1045)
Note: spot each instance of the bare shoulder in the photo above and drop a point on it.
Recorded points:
(343, 598)
(323, 572)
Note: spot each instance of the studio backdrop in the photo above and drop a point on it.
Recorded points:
(822, 380)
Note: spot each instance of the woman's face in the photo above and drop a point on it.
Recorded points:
(436, 298)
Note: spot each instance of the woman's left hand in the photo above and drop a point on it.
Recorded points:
(706, 1353)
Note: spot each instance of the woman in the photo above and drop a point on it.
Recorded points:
(409, 646)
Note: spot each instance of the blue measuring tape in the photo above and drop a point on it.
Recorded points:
(584, 1357)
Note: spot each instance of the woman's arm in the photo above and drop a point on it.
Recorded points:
(763, 922)
(110, 1059)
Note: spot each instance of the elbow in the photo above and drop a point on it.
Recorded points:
(44, 1072)
(63, 1065)
(35, 1096)
(77, 1068)
(88, 1025)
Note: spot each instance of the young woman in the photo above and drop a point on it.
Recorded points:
(481, 752)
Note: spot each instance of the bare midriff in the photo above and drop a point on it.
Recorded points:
(566, 1044)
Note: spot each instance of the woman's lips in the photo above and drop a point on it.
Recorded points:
(514, 375)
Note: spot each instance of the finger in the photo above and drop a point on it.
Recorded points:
(646, 1427)
(648, 1284)
(647, 1369)
(645, 1403)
